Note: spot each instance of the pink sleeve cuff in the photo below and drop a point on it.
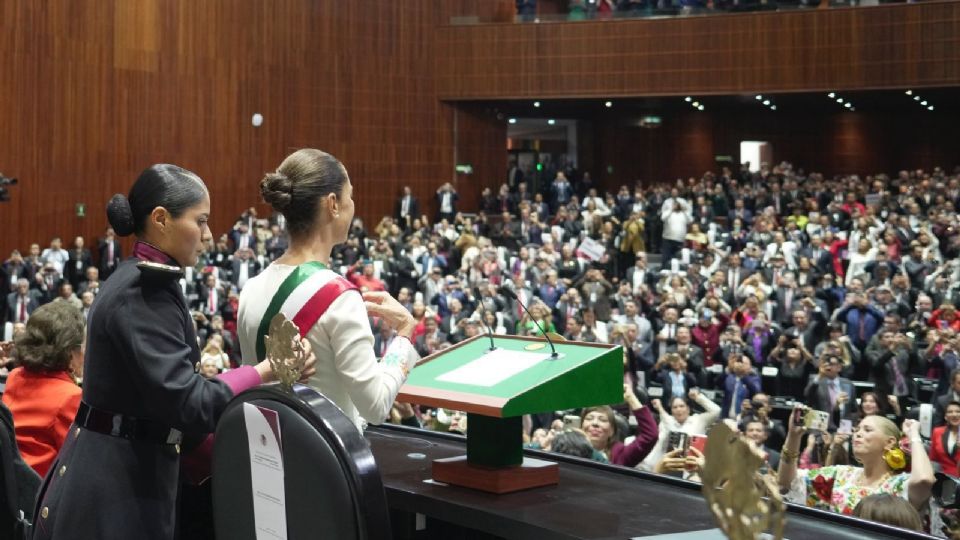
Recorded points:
(240, 379)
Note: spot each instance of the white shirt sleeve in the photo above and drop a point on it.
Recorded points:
(371, 385)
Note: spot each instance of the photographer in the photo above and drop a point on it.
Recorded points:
(795, 365)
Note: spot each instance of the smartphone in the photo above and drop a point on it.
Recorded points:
(798, 417)
(699, 442)
(846, 426)
(678, 441)
(571, 421)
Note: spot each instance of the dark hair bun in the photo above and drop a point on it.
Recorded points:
(120, 215)
(277, 190)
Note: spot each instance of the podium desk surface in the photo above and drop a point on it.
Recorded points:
(592, 501)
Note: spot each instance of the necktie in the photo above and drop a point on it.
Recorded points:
(211, 303)
(833, 394)
(23, 309)
(787, 300)
(406, 206)
(110, 253)
(899, 383)
(758, 347)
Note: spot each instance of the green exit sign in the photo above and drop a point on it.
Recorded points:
(81, 210)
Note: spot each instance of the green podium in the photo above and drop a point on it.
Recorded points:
(496, 388)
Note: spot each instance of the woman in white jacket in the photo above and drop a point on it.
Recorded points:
(679, 419)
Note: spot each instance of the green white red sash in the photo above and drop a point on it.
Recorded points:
(303, 297)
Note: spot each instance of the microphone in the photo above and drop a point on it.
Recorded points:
(513, 296)
(476, 292)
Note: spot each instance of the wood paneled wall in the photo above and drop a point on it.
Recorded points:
(900, 45)
(94, 91)
(687, 143)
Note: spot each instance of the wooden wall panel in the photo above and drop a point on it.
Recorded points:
(890, 46)
(94, 91)
(842, 143)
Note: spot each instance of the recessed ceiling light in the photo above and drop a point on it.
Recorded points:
(512, 120)
(536, 103)
(773, 107)
(696, 103)
(688, 99)
(923, 103)
(853, 108)
(916, 98)
(608, 104)
(766, 102)
(551, 121)
(839, 100)
(700, 107)
(909, 92)
(847, 105)
(930, 108)
(759, 97)
(831, 95)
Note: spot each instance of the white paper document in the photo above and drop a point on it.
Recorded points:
(493, 368)
(266, 472)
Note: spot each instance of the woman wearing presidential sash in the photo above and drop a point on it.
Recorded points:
(313, 192)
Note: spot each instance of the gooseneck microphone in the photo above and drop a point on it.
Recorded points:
(476, 293)
(513, 296)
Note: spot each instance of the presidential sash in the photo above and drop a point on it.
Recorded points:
(303, 298)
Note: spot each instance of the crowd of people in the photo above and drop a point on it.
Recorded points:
(773, 287)
(607, 9)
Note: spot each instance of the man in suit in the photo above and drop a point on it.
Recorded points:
(210, 298)
(639, 274)
(446, 202)
(740, 211)
(432, 259)
(407, 208)
(382, 339)
(110, 253)
(671, 372)
(940, 402)
(740, 383)
(91, 282)
(13, 270)
(432, 337)
(819, 256)
(828, 390)
(757, 432)
(241, 238)
(892, 366)
(276, 244)
(507, 232)
(451, 323)
(244, 267)
(560, 192)
(78, 260)
(22, 302)
(690, 353)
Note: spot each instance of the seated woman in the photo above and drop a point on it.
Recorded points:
(679, 419)
(43, 394)
(876, 445)
(600, 426)
(945, 439)
(889, 509)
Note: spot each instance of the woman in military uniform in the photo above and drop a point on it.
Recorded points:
(117, 474)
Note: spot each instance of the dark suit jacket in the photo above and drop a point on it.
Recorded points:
(33, 302)
(413, 211)
(8, 273)
(108, 266)
(750, 385)
(817, 396)
(253, 268)
(663, 377)
(75, 269)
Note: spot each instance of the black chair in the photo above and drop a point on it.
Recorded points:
(332, 485)
(18, 483)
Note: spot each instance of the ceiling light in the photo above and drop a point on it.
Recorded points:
(909, 92)
(916, 98)
(766, 102)
(608, 104)
(551, 121)
(930, 108)
(847, 105)
(923, 103)
(700, 107)
(759, 97)
(773, 107)
(688, 99)
(512, 120)
(536, 103)
(839, 100)
(853, 108)
(831, 95)
(696, 103)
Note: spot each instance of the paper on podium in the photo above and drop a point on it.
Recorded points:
(493, 367)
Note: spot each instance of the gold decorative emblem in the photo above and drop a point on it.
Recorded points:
(744, 502)
(284, 350)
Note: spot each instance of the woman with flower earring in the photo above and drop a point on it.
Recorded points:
(882, 451)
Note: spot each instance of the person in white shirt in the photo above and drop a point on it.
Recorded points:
(313, 192)
(55, 255)
(679, 419)
(676, 215)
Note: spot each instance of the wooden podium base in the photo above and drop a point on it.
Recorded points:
(530, 474)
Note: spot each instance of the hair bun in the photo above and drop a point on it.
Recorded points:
(277, 190)
(120, 215)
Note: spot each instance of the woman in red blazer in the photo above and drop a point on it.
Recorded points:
(942, 450)
(42, 393)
